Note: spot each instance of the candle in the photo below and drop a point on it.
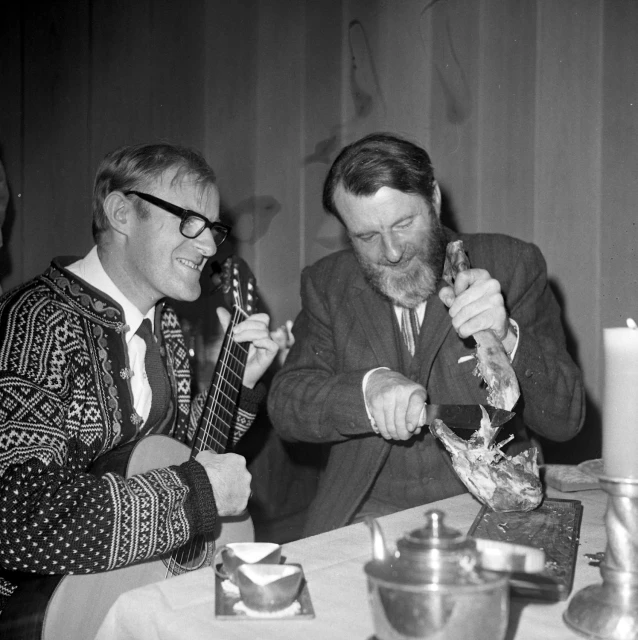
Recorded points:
(620, 402)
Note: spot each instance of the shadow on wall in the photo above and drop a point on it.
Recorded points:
(448, 215)
(588, 443)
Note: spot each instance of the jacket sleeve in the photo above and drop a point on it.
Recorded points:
(552, 401)
(55, 516)
(312, 398)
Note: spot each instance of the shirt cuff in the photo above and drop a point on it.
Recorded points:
(517, 333)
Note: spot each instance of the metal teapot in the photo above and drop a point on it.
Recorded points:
(432, 587)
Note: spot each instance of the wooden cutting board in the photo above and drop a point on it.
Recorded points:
(553, 527)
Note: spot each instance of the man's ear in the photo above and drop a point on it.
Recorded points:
(118, 209)
(436, 199)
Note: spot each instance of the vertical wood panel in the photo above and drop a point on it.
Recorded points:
(280, 151)
(177, 70)
(506, 118)
(405, 69)
(147, 73)
(230, 109)
(122, 51)
(11, 152)
(364, 101)
(57, 184)
(455, 32)
(322, 131)
(228, 86)
(619, 216)
(568, 169)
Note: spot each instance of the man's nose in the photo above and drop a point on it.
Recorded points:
(206, 243)
(392, 248)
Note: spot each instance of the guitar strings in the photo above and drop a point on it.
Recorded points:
(218, 392)
(216, 395)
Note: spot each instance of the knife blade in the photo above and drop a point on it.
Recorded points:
(463, 416)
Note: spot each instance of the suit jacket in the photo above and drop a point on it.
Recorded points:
(345, 328)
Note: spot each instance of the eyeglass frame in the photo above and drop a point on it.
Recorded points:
(184, 214)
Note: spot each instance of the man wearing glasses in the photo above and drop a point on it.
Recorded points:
(76, 383)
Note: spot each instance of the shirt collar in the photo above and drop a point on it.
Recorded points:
(90, 269)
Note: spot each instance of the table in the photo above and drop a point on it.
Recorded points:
(183, 608)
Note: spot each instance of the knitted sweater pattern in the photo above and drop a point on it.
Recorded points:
(65, 400)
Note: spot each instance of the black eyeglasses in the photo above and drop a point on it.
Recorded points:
(193, 223)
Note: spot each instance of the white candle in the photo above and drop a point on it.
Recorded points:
(620, 402)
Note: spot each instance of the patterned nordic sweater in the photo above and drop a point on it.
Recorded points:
(65, 399)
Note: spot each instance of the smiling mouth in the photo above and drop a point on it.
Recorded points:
(190, 264)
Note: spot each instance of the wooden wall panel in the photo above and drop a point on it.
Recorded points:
(455, 103)
(405, 69)
(322, 132)
(230, 110)
(56, 202)
(177, 71)
(11, 152)
(279, 153)
(364, 100)
(568, 170)
(148, 61)
(619, 213)
(121, 74)
(507, 73)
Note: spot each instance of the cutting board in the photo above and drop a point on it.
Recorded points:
(553, 527)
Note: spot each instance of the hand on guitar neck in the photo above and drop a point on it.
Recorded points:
(230, 481)
(262, 350)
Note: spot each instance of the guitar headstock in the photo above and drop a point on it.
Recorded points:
(238, 285)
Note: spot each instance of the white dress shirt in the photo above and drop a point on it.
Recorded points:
(90, 270)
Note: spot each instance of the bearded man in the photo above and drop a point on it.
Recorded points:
(380, 333)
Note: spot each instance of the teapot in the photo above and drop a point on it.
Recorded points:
(432, 586)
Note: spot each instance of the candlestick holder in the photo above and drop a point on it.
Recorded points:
(609, 611)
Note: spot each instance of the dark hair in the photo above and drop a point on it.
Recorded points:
(379, 160)
(133, 167)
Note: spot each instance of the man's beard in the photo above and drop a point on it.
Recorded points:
(409, 285)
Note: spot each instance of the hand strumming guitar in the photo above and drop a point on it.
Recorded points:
(230, 480)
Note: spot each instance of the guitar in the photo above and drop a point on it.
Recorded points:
(72, 607)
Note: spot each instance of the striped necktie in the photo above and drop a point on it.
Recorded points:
(157, 376)
(410, 328)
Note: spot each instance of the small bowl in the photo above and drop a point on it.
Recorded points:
(268, 587)
(236, 554)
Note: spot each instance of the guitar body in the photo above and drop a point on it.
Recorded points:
(80, 602)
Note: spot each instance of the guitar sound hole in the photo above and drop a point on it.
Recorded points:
(193, 555)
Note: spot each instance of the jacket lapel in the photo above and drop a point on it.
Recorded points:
(375, 316)
(434, 329)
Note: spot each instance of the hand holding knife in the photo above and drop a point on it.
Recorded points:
(398, 411)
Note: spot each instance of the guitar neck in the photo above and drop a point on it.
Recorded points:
(221, 401)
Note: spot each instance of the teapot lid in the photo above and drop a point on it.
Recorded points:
(434, 554)
(435, 534)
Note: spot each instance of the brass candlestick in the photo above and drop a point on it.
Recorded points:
(609, 611)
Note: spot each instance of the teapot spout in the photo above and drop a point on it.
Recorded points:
(379, 550)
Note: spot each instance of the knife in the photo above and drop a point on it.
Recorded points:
(463, 416)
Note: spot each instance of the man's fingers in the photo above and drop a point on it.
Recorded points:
(253, 328)
(447, 297)
(465, 279)
(224, 317)
(415, 409)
